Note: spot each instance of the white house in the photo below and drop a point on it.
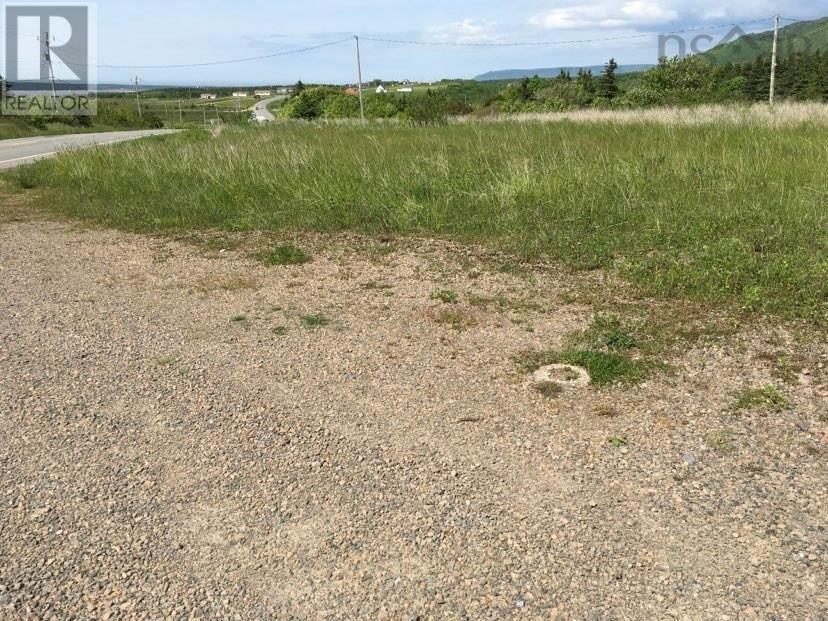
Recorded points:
(405, 89)
(262, 93)
(209, 96)
(381, 89)
(240, 94)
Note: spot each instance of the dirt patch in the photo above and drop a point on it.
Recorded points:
(178, 441)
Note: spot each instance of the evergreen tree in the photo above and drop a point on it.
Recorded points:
(608, 84)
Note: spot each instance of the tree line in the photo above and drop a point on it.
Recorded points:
(691, 80)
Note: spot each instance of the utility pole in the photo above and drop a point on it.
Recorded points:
(138, 97)
(47, 56)
(359, 87)
(180, 113)
(774, 58)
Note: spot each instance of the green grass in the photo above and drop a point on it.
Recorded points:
(766, 399)
(618, 442)
(609, 332)
(726, 215)
(285, 255)
(312, 322)
(604, 368)
(603, 349)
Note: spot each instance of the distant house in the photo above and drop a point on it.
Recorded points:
(209, 96)
(284, 90)
(240, 94)
(381, 89)
(262, 93)
(405, 89)
(406, 82)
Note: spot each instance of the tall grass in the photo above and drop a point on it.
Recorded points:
(717, 213)
(786, 114)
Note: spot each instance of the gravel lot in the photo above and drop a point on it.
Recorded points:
(178, 444)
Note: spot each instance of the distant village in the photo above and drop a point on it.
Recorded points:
(377, 86)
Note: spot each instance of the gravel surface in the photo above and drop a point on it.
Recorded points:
(179, 441)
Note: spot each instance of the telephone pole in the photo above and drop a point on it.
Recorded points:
(180, 113)
(138, 98)
(774, 58)
(359, 86)
(47, 56)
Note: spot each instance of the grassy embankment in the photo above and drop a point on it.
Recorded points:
(724, 214)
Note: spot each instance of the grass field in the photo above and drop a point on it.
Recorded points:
(725, 214)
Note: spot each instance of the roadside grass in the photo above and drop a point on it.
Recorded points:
(765, 399)
(699, 213)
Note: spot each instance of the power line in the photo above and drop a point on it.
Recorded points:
(230, 61)
(498, 44)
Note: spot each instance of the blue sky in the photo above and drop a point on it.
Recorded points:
(160, 32)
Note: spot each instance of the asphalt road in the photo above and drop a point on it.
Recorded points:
(262, 114)
(19, 151)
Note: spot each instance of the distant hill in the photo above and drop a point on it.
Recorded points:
(807, 37)
(551, 72)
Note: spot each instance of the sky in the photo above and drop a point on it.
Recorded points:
(166, 32)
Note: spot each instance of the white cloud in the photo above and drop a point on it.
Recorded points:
(606, 15)
(467, 31)
(648, 11)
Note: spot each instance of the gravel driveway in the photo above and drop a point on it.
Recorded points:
(187, 434)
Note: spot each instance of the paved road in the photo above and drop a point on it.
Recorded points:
(19, 151)
(260, 111)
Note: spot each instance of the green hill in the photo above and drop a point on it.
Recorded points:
(806, 37)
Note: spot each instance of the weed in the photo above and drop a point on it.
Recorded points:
(603, 368)
(785, 368)
(609, 332)
(618, 442)
(239, 319)
(280, 330)
(446, 296)
(766, 399)
(284, 255)
(166, 361)
(312, 322)
(722, 441)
